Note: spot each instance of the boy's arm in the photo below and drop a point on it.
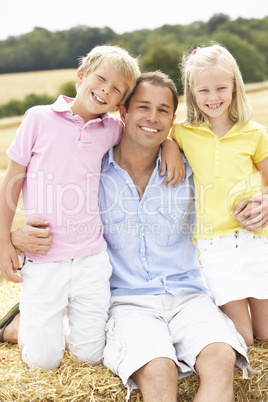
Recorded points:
(9, 195)
(252, 212)
(172, 163)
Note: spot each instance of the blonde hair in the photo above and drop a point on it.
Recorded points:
(113, 58)
(202, 58)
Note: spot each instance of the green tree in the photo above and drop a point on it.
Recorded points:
(165, 58)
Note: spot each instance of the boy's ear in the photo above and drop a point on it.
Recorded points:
(117, 107)
(79, 75)
(122, 111)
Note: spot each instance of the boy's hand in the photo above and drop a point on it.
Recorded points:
(172, 163)
(32, 237)
(9, 263)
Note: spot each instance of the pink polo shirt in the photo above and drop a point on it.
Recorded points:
(63, 156)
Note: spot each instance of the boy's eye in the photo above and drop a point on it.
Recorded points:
(117, 90)
(101, 78)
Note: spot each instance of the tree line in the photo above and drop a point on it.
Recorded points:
(161, 48)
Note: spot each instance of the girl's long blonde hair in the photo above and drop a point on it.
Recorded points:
(202, 58)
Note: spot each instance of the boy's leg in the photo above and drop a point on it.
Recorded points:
(259, 314)
(43, 301)
(89, 301)
(238, 312)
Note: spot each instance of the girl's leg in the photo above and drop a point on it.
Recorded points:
(259, 314)
(238, 312)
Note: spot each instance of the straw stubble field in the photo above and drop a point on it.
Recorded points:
(74, 381)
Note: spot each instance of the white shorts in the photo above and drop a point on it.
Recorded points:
(80, 289)
(142, 328)
(235, 266)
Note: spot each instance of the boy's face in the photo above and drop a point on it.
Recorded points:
(100, 91)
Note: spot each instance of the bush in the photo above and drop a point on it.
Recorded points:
(17, 107)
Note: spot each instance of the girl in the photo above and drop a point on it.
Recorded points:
(228, 153)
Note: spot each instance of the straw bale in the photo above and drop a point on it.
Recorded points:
(77, 382)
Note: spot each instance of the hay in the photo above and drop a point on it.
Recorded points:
(77, 382)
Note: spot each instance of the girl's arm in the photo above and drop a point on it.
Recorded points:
(172, 163)
(252, 212)
(9, 195)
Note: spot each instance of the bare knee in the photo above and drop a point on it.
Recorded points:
(216, 360)
(158, 380)
(156, 368)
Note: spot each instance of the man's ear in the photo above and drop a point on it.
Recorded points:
(173, 121)
(122, 111)
(79, 75)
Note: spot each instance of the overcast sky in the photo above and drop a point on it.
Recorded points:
(21, 16)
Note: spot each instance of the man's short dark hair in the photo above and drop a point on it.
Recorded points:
(156, 78)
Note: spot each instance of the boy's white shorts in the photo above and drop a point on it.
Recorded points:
(142, 328)
(80, 289)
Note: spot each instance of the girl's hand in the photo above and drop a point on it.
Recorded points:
(172, 163)
(252, 212)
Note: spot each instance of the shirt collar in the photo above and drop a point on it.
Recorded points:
(109, 159)
(61, 105)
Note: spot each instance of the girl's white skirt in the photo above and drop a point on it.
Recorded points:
(235, 266)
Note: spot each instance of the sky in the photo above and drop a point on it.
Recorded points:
(21, 16)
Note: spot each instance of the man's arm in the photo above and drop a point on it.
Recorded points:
(32, 237)
(252, 212)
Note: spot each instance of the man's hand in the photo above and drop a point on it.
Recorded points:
(252, 212)
(32, 237)
(9, 262)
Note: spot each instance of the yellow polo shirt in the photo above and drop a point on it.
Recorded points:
(224, 172)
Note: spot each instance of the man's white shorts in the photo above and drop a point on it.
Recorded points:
(142, 328)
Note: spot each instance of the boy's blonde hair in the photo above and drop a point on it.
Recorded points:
(199, 60)
(113, 58)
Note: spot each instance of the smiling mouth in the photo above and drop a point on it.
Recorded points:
(214, 106)
(95, 96)
(149, 129)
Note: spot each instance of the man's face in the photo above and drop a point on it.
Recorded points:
(149, 116)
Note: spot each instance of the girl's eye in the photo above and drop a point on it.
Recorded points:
(117, 90)
(101, 78)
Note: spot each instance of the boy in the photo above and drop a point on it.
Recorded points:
(55, 159)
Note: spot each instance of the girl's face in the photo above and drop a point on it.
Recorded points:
(213, 91)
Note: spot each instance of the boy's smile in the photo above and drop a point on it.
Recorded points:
(98, 92)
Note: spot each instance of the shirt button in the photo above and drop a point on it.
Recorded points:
(106, 220)
(174, 218)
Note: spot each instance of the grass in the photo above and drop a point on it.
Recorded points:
(18, 85)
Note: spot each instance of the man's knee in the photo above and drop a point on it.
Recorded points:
(158, 368)
(217, 359)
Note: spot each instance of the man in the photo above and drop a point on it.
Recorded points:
(162, 322)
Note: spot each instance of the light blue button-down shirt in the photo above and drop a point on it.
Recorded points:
(150, 239)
